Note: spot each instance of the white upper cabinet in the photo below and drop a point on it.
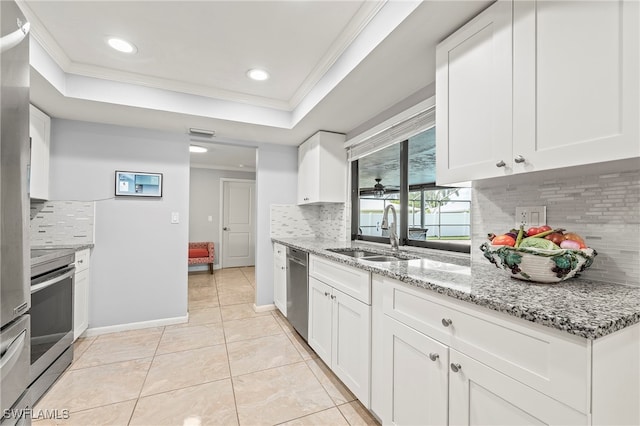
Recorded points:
(39, 131)
(473, 98)
(575, 82)
(322, 169)
(564, 93)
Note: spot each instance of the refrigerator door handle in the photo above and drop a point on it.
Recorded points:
(38, 287)
(9, 356)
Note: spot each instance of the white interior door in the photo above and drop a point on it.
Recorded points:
(238, 223)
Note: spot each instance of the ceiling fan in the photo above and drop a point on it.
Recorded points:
(378, 190)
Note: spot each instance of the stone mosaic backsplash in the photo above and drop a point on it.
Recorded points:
(602, 207)
(319, 221)
(62, 223)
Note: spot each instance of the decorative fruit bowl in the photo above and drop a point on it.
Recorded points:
(539, 265)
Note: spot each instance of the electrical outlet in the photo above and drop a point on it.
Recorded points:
(531, 216)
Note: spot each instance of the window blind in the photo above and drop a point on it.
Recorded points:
(394, 134)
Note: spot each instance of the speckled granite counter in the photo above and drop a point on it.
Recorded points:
(578, 306)
(75, 247)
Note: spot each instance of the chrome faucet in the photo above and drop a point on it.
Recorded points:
(393, 237)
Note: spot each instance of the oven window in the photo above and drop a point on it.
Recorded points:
(51, 316)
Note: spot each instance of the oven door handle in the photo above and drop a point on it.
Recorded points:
(10, 354)
(52, 281)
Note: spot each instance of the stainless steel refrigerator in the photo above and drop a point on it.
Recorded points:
(14, 213)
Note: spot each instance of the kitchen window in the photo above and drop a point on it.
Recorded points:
(402, 173)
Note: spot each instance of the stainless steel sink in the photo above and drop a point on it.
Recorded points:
(354, 252)
(380, 258)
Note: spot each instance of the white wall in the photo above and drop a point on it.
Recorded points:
(204, 201)
(276, 183)
(139, 263)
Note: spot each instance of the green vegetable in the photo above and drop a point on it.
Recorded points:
(539, 243)
(519, 237)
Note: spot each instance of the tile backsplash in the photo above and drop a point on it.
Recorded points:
(62, 223)
(320, 221)
(602, 206)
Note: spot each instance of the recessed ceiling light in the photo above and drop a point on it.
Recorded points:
(198, 149)
(240, 165)
(258, 74)
(122, 45)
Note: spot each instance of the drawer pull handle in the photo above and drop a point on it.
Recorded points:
(501, 163)
(455, 367)
(433, 356)
(446, 322)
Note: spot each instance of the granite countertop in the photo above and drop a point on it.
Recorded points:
(76, 247)
(578, 306)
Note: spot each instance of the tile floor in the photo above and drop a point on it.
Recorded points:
(227, 366)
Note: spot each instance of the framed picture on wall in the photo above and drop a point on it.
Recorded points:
(138, 184)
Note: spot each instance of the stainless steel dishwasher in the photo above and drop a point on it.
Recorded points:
(298, 290)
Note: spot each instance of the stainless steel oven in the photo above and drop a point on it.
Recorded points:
(51, 312)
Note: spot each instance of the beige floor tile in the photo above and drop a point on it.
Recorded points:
(243, 310)
(278, 395)
(206, 404)
(194, 337)
(201, 280)
(181, 369)
(118, 347)
(202, 293)
(334, 387)
(117, 414)
(204, 316)
(237, 284)
(357, 415)
(244, 288)
(330, 417)
(284, 323)
(81, 345)
(94, 387)
(250, 328)
(235, 299)
(252, 355)
(303, 348)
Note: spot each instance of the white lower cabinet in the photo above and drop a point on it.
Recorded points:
(340, 333)
(415, 377)
(81, 293)
(280, 277)
(480, 395)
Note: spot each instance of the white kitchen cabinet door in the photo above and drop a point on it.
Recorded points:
(473, 98)
(351, 348)
(280, 277)
(322, 169)
(81, 303)
(576, 89)
(320, 319)
(480, 395)
(415, 380)
(39, 131)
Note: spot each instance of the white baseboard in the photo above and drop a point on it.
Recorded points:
(97, 331)
(264, 308)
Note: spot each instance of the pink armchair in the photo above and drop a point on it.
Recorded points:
(201, 253)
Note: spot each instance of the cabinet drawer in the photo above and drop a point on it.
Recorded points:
(352, 281)
(548, 360)
(82, 260)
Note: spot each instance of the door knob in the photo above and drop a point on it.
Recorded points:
(455, 367)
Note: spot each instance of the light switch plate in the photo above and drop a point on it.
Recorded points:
(531, 216)
(175, 217)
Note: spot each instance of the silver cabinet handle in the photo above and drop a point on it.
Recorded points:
(326, 293)
(227, 229)
(433, 356)
(80, 261)
(333, 297)
(446, 322)
(519, 159)
(501, 163)
(455, 367)
(306, 199)
(282, 267)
